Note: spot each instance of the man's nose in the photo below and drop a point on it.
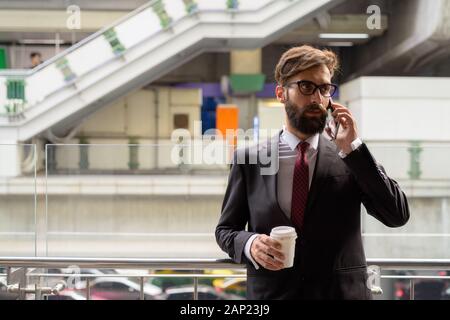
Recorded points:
(317, 97)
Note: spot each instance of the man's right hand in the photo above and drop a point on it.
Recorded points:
(265, 251)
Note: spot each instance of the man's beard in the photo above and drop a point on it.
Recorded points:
(307, 124)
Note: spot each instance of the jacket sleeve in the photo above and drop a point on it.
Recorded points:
(380, 194)
(230, 231)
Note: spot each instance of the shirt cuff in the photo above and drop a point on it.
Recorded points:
(355, 145)
(247, 253)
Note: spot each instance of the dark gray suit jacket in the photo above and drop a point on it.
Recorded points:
(329, 261)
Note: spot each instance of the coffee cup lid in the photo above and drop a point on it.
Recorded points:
(284, 231)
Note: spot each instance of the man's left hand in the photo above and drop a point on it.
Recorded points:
(347, 129)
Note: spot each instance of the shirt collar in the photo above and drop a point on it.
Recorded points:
(292, 140)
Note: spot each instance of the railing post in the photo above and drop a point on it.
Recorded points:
(88, 289)
(141, 291)
(8, 275)
(41, 283)
(23, 283)
(411, 289)
(195, 288)
(37, 291)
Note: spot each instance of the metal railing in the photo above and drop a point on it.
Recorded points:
(194, 266)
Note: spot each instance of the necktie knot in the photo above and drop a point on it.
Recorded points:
(303, 146)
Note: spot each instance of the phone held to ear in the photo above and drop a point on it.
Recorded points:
(331, 122)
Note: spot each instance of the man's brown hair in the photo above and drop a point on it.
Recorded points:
(300, 58)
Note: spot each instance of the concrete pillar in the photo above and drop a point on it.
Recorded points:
(246, 63)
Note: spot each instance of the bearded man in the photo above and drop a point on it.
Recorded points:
(318, 188)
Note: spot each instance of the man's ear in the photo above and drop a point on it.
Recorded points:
(280, 93)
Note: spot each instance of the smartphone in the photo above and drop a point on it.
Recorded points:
(331, 122)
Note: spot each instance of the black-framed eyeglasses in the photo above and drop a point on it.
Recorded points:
(309, 88)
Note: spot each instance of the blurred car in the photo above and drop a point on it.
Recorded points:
(429, 290)
(446, 294)
(219, 272)
(204, 293)
(424, 289)
(66, 275)
(167, 282)
(119, 288)
(65, 295)
(81, 281)
(4, 294)
(236, 286)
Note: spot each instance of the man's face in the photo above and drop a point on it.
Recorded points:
(306, 113)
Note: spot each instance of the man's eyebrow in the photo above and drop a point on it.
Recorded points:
(314, 82)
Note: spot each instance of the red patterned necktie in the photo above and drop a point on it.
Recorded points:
(300, 186)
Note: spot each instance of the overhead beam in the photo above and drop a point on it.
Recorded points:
(335, 23)
(54, 20)
(419, 36)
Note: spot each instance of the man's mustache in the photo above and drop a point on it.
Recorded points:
(315, 107)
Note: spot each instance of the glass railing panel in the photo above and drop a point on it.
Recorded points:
(18, 200)
(421, 170)
(155, 201)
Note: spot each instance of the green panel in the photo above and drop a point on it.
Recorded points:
(247, 83)
(3, 59)
(160, 10)
(111, 37)
(15, 89)
(15, 96)
(232, 4)
(190, 6)
(63, 65)
(414, 167)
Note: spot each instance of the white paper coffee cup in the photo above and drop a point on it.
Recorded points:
(286, 236)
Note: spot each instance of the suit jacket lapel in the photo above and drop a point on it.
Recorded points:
(270, 180)
(325, 159)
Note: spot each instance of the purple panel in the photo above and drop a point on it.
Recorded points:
(212, 89)
(209, 89)
(268, 91)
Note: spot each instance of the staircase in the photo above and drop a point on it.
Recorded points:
(136, 50)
